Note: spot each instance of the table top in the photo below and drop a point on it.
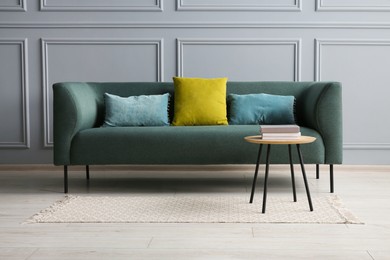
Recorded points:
(257, 139)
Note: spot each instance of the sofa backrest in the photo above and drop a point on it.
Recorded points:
(296, 89)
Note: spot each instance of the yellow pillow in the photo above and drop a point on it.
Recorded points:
(199, 101)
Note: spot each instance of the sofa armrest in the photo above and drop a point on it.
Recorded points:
(322, 111)
(74, 109)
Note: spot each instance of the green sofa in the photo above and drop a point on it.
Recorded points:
(79, 139)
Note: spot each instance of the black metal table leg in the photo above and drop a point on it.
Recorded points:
(292, 174)
(255, 176)
(266, 178)
(304, 177)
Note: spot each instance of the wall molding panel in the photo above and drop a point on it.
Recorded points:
(99, 5)
(25, 113)
(296, 43)
(356, 6)
(319, 56)
(46, 43)
(13, 5)
(320, 43)
(239, 5)
(366, 146)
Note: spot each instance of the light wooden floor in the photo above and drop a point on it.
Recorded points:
(24, 191)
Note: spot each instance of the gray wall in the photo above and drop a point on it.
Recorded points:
(46, 41)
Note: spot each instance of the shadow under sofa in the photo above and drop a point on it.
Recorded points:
(79, 138)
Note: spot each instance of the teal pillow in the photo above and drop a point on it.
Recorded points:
(142, 110)
(255, 109)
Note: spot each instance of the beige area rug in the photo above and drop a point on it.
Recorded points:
(197, 208)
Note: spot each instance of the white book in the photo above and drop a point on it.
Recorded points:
(279, 128)
(281, 136)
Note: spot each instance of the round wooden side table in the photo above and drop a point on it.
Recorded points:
(257, 139)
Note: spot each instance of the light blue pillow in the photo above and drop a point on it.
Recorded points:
(151, 110)
(256, 109)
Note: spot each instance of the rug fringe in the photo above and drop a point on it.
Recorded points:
(37, 218)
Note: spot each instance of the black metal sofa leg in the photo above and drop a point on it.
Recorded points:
(330, 175)
(331, 178)
(65, 178)
(87, 171)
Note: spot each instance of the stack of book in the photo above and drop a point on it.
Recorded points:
(280, 132)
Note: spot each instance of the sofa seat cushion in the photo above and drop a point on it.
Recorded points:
(181, 145)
